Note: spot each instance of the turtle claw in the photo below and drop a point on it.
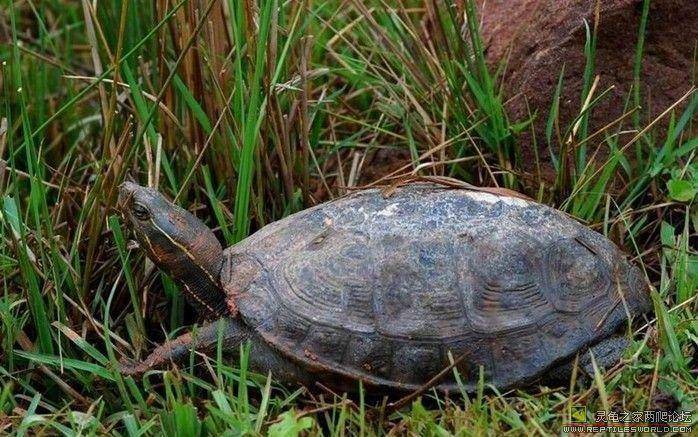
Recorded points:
(130, 367)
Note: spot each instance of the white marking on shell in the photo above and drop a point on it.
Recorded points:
(389, 211)
(363, 212)
(491, 198)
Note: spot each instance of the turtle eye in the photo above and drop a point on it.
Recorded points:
(140, 212)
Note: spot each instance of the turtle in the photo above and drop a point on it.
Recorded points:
(429, 285)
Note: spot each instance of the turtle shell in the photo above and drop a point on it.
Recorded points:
(390, 290)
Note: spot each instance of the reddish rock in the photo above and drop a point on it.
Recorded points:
(540, 36)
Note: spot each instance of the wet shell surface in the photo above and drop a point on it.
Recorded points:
(386, 290)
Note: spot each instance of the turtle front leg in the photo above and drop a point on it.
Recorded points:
(204, 339)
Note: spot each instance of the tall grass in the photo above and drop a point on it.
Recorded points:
(247, 111)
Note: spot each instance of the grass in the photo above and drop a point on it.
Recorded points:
(248, 111)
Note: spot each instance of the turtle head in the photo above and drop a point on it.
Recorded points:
(176, 241)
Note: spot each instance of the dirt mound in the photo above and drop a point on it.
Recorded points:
(540, 36)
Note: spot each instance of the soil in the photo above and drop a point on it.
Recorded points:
(535, 38)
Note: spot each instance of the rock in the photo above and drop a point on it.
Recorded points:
(540, 36)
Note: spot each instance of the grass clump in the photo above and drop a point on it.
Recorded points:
(246, 112)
